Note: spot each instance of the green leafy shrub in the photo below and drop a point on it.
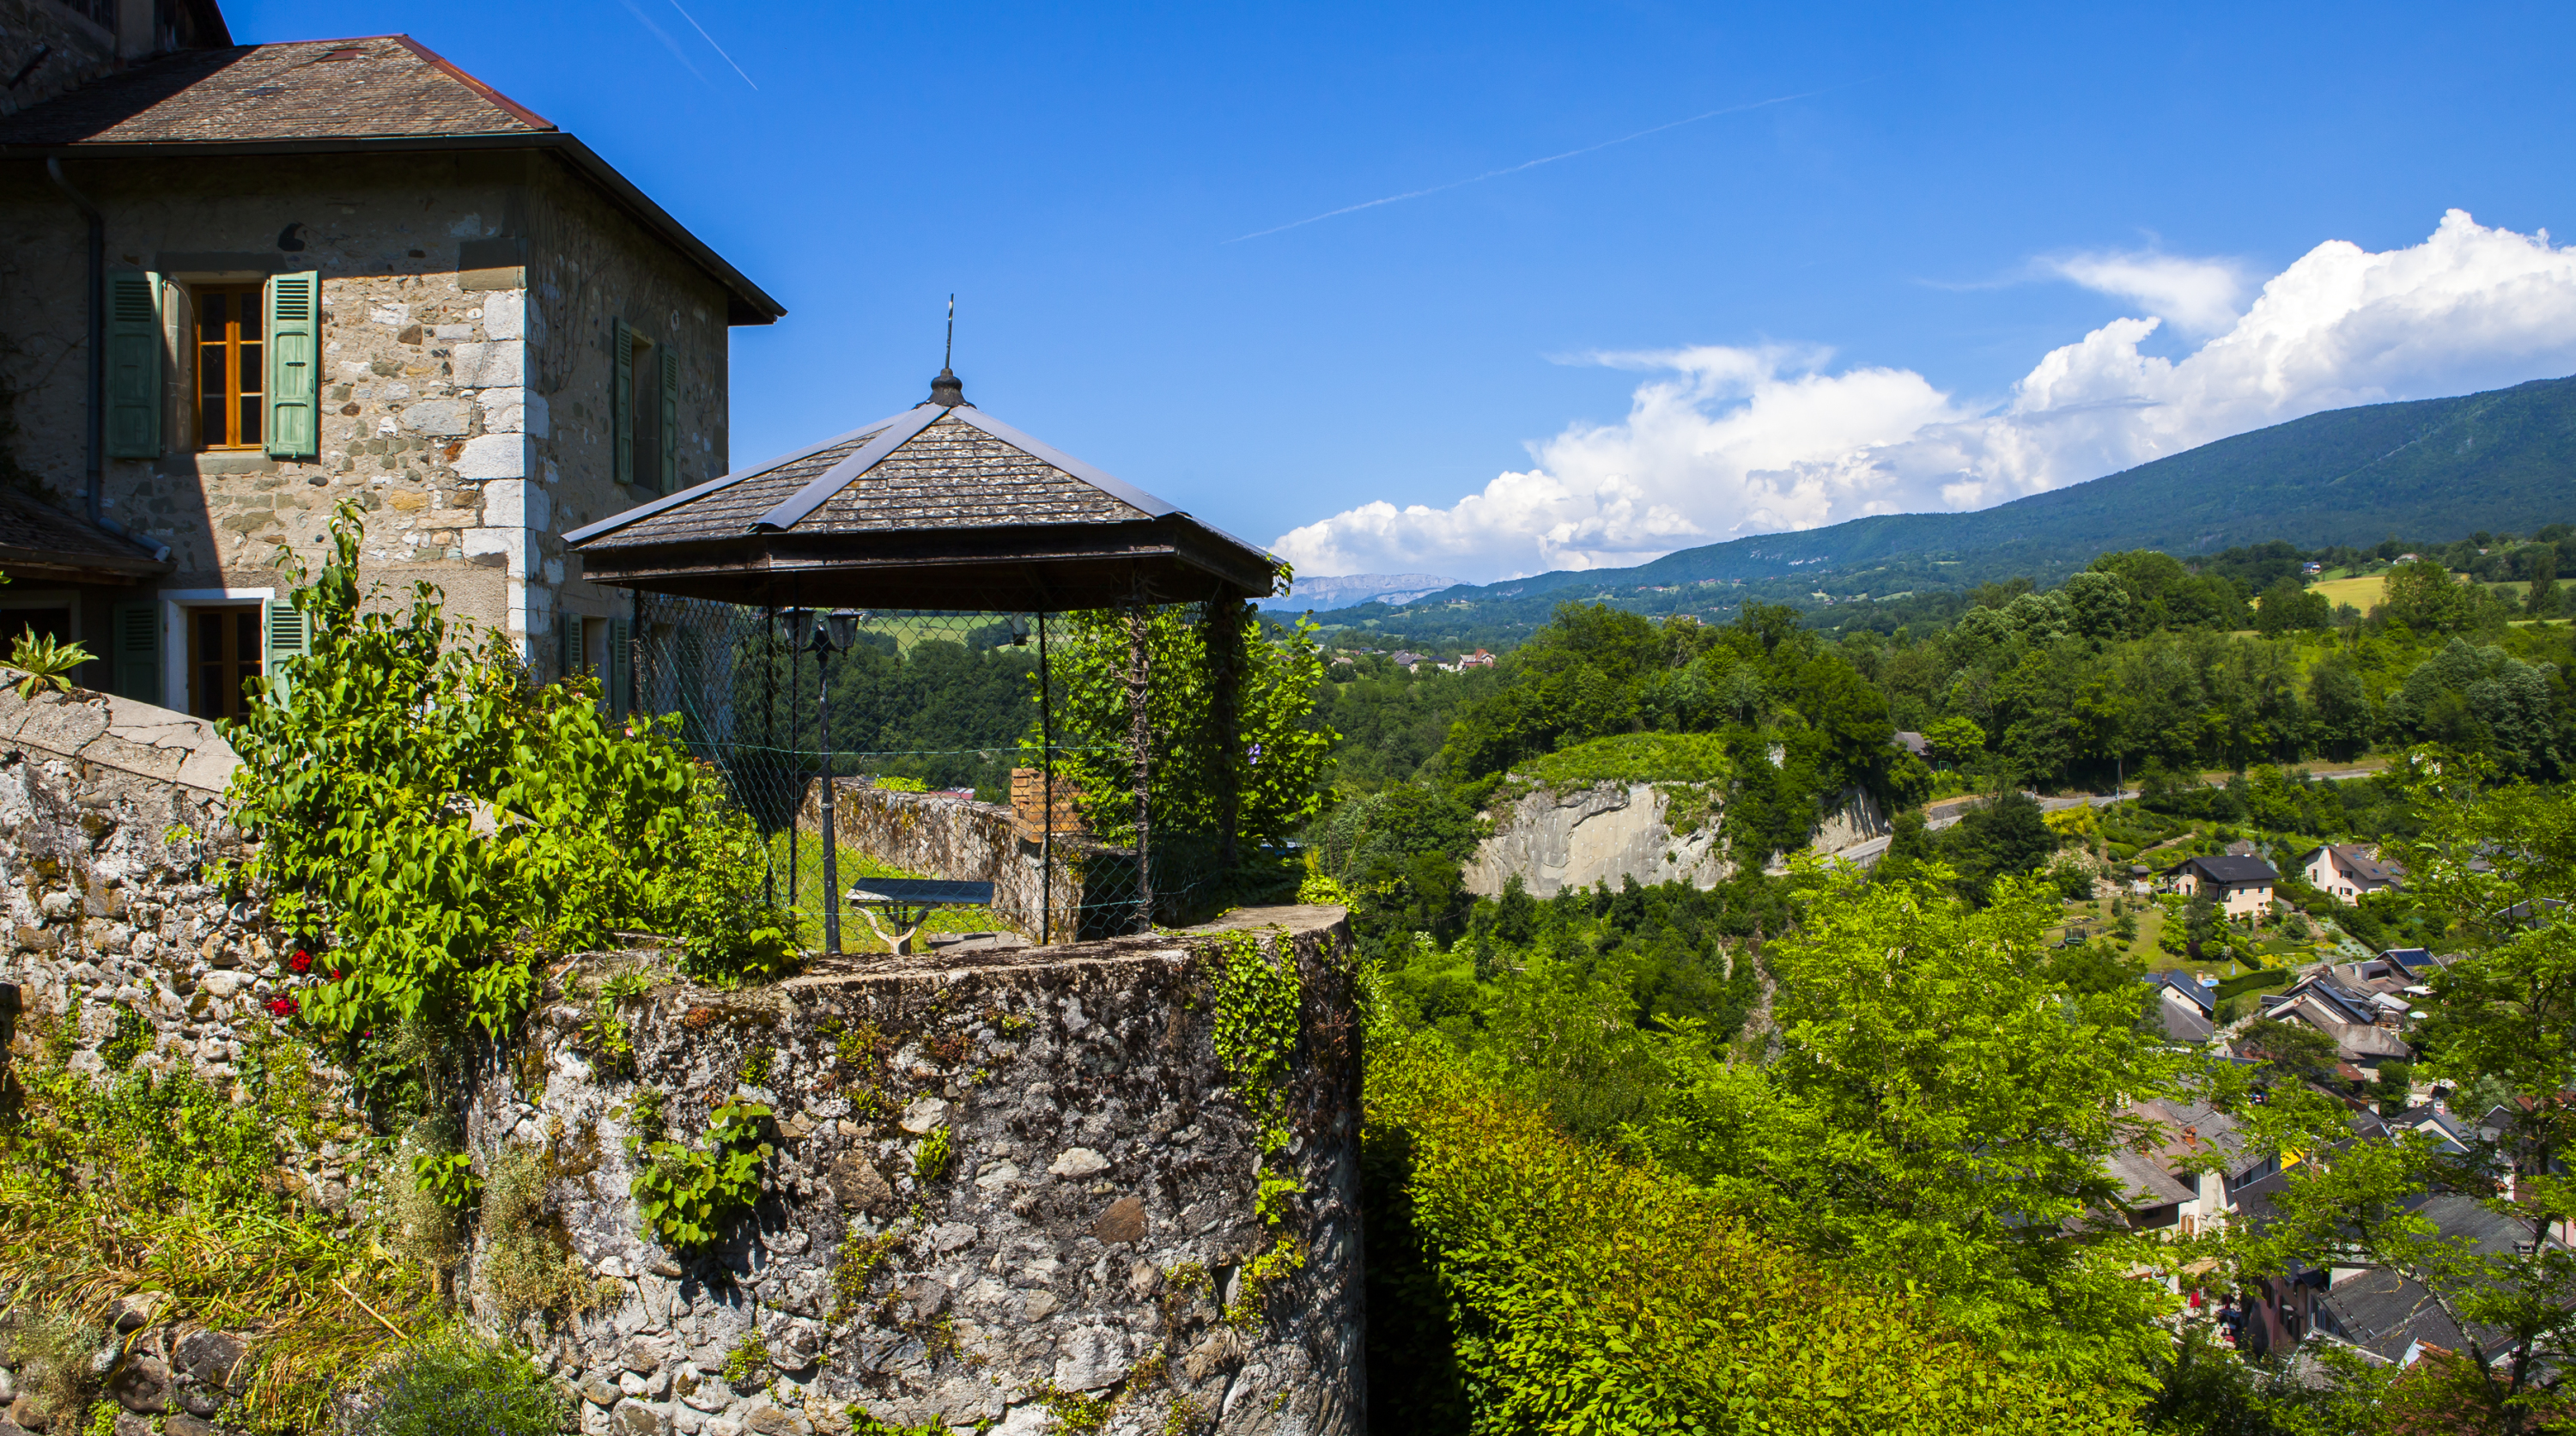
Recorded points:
(1630, 758)
(131, 1036)
(1280, 751)
(687, 1198)
(748, 1363)
(454, 1383)
(1611, 1298)
(448, 823)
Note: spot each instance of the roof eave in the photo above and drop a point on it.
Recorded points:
(927, 554)
(746, 303)
(63, 566)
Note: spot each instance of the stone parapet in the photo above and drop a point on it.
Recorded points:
(1093, 1229)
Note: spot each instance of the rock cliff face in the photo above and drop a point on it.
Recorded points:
(1609, 830)
(1612, 831)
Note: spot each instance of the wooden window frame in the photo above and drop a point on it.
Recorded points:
(252, 297)
(245, 666)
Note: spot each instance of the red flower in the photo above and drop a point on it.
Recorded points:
(300, 963)
(281, 1007)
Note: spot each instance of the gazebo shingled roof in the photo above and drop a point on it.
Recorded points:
(941, 506)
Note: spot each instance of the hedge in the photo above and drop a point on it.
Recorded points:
(1588, 1295)
(2252, 981)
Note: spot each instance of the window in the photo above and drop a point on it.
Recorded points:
(223, 655)
(644, 405)
(644, 401)
(232, 368)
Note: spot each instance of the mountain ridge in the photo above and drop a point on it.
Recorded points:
(2512, 469)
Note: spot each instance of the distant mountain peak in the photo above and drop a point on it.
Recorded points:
(1344, 590)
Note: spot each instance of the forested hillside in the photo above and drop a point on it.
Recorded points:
(1610, 1129)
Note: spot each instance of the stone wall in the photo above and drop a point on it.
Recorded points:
(944, 836)
(1089, 1237)
(108, 810)
(464, 403)
(1609, 832)
(1101, 1165)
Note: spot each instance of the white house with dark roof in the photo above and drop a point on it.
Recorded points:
(2348, 871)
(2241, 886)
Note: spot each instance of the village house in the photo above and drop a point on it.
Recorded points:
(248, 284)
(2241, 885)
(2346, 871)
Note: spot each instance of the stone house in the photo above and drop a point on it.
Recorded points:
(328, 272)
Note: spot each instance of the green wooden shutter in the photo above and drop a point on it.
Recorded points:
(288, 637)
(669, 469)
(620, 667)
(134, 365)
(134, 651)
(294, 331)
(621, 399)
(568, 655)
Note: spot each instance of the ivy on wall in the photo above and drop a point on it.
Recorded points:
(1259, 1002)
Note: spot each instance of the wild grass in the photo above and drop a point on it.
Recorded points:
(140, 1183)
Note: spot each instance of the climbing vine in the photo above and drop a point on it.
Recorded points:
(1259, 1000)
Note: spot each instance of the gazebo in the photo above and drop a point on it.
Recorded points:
(943, 507)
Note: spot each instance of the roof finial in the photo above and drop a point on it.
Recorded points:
(948, 391)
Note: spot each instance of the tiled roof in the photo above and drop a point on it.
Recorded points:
(37, 536)
(307, 96)
(2232, 868)
(379, 87)
(2385, 1313)
(953, 473)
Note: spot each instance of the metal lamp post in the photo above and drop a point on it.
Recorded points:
(838, 632)
(824, 635)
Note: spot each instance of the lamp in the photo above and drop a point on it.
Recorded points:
(845, 628)
(796, 624)
(1019, 631)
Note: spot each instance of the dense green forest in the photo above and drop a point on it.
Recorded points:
(1796, 1057)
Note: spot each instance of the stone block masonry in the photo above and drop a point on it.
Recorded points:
(1084, 1245)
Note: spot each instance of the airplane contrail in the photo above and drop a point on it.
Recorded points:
(1525, 165)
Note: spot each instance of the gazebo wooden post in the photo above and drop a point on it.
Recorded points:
(1222, 620)
(1140, 746)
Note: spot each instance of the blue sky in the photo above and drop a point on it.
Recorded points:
(1815, 308)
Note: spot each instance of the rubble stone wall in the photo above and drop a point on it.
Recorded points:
(1085, 1243)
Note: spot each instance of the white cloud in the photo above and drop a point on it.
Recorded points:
(2198, 296)
(1724, 441)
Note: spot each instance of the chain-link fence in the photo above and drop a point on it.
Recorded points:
(953, 756)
